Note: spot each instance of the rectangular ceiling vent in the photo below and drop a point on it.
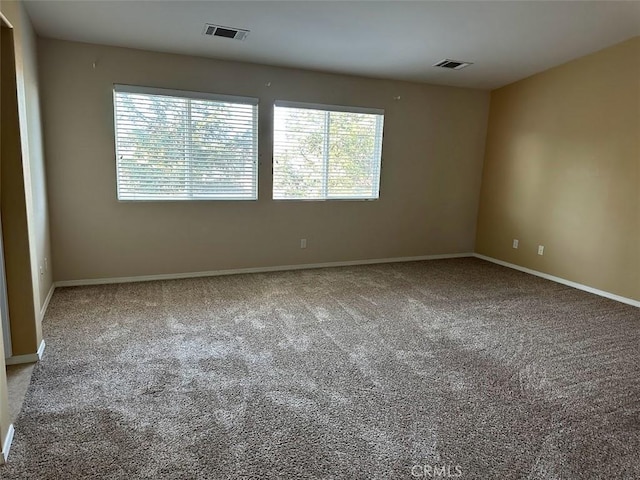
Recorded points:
(452, 64)
(211, 30)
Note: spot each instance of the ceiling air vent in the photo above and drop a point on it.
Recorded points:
(452, 64)
(226, 32)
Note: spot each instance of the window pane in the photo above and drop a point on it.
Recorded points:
(173, 148)
(326, 154)
(223, 149)
(353, 167)
(298, 152)
(150, 140)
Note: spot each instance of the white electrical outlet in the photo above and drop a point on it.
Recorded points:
(41, 270)
(540, 249)
(303, 243)
(515, 243)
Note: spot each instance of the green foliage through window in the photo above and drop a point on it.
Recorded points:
(325, 153)
(174, 147)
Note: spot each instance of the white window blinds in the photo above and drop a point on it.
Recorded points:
(174, 145)
(324, 152)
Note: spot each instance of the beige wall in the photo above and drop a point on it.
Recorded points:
(432, 161)
(32, 145)
(32, 209)
(562, 170)
(13, 203)
(28, 86)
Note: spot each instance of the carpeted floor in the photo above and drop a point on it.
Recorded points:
(440, 369)
(18, 381)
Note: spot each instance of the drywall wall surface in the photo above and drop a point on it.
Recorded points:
(432, 163)
(18, 233)
(32, 148)
(562, 170)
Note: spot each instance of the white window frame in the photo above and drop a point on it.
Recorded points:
(375, 195)
(190, 95)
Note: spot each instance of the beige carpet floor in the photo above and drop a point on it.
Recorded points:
(454, 368)
(18, 380)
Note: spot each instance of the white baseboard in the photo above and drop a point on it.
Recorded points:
(28, 358)
(7, 445)
(282, 268)
(569, 283)
(45, 305)
(40, 351)
(236, 271)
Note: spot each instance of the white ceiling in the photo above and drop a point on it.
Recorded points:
(506, 41)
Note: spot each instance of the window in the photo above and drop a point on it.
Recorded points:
(323, 152)
(174, 145)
